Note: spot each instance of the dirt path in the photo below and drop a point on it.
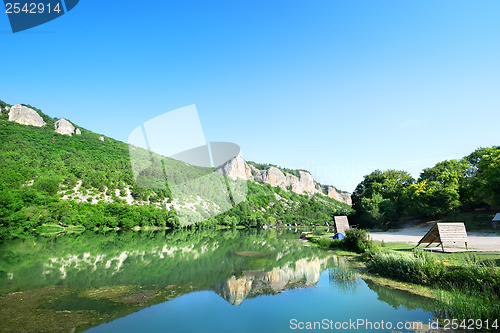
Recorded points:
(478, 241)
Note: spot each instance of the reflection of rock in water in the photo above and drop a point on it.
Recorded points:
(397, 298)
(303, 272)
(234, 290)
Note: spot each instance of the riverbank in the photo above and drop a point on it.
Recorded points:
(466, 286)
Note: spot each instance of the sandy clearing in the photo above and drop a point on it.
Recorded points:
(478, 241)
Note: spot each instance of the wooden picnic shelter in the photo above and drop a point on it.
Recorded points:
(341, 224)
(445, 234)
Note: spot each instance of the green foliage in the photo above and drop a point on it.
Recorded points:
(328, 243)
(376, 199)
(430, 198)
(357, 240)
(383, 197)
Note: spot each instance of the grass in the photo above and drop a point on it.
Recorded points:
(465, 285)
(464, 304)
(470, 289)
(474, 221)
(396, 246)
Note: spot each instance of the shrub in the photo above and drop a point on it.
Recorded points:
(328, 243)
(357, 240)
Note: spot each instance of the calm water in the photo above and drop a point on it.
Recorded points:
(203, 281)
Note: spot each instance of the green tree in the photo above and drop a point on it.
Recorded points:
(376, 199)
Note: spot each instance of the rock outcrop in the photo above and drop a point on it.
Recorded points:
(64, 127)
(305, 184)
(342, 197)
(101, 138)
(25, 116)
(274, 177)
(78, 132)
(235, 168)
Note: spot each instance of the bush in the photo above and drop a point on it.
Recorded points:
(328, 243)
(357, 240)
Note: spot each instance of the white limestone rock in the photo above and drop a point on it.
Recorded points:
(305, 183)
(274, 177)
(78, 132)
(64, 127)
(256, 173)
(235, 168)
(101, 138)
(25, 116)
(342, 197)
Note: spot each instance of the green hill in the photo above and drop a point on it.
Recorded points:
(50, 178)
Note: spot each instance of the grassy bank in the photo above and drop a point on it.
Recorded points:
(465, 285)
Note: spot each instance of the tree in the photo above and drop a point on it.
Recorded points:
(430, 198)
(377, 198)
(488, 178)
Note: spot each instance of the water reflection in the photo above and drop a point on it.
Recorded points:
(398, 298)
(204, 258)
(301, 273)
(80, 281)
(342, 276)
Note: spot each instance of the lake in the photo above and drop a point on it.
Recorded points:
(193, 281)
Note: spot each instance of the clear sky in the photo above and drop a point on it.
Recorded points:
(338, 87)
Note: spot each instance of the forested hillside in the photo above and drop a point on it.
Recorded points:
(47, 177)
(470, 183)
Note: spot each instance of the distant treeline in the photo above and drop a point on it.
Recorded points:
(383, 197)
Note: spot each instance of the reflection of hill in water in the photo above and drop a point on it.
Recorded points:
(198, 258)
(400, 298)
(303, 272)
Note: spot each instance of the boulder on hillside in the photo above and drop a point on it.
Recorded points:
(78, 132)
(25, 116)
(64, 127)
(101, 138)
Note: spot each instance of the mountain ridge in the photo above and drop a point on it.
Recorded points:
(52, 177)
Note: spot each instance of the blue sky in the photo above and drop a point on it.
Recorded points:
(340, 88)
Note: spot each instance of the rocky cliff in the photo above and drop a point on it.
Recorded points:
(237, 168)
(25, 116)
(342, 196)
